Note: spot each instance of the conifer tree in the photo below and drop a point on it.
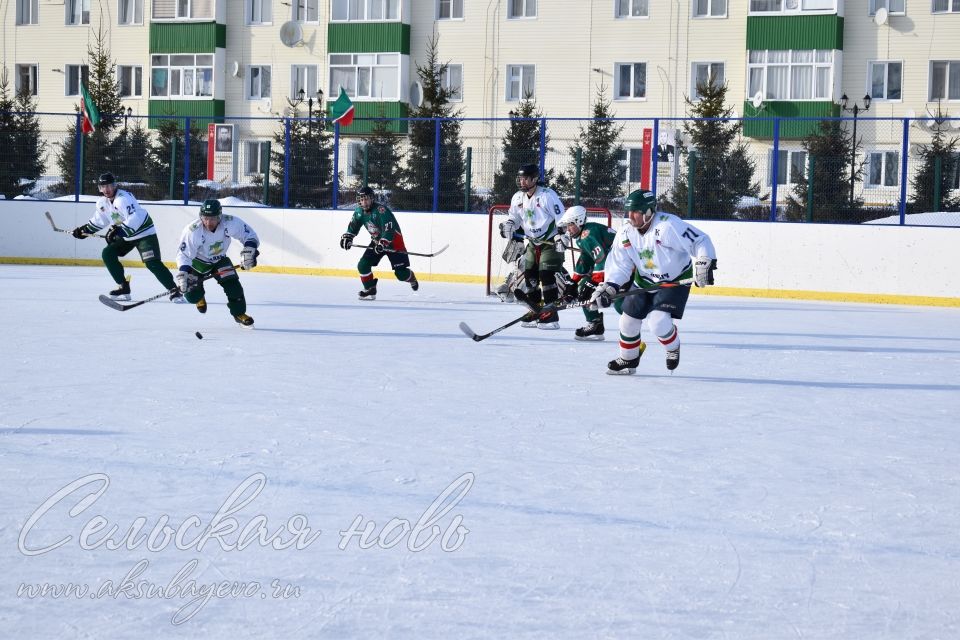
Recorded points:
(382, 156)
(311, 164)
(521, 145)
(23, 149)
(829, 146)
(924, 181)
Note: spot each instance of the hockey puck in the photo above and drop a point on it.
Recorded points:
(199, 335)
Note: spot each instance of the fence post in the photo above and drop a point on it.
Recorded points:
(776, 169)
(436, 164)
(466, 190)
(78, 169)
(576, 170)
(286, 163)
(811, 164)
(186, 160)
(336, 166)
(654, 144)
(173, 166)
(937, 176)
(903, 170)
(266, 175)
(366, 164)
(543, 149)
(691, 175)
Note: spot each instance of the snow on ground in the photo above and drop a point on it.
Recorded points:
(796, 477)
(929, 219)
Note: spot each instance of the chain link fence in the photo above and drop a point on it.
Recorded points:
(840, 170)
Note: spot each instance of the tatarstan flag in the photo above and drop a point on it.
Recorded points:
(91, 117)
(342, 109)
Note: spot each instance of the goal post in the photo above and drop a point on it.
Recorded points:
(497, 269)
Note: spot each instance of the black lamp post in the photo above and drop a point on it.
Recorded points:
(855, 110)
(310, 104)
(125, 116)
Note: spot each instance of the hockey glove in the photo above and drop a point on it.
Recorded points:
(569, 292)
(115, 235)
(507, 228)
(186, 281)
(603, 296)
(703, 270)
(381, 246)
(249, 257)
(561, 242)
(79, 233)
(346, 241)
(587, 287)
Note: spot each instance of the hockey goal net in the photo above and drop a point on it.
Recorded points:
(497, 269)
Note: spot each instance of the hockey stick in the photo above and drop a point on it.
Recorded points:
(59, 230)
(409, 253)
(470, 333)
(113, 304)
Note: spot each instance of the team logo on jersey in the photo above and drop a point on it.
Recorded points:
(216, 248)
(382, 209)
(372, 228)
(626, 243)
(585, 234)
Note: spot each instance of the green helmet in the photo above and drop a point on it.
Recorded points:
(211, 209)
(640, 200)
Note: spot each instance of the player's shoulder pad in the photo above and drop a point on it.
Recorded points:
(227, 217)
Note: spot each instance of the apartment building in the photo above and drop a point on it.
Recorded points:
(250, 58)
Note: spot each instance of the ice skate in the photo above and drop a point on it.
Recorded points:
(621, 367)
(414, 283)
(202, 305)
(122, 292)
(369, 293)
(548, 320)
(244, 320)
(530, 320)
(673, 359)
(591, 332)
(177, 297)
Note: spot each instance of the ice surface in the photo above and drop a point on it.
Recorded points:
(796, 477)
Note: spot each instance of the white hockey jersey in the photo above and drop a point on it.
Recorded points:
(196, 243)
(662, 254)
(124, 211)
(536, 215)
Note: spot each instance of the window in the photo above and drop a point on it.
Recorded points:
(705, 73)
(944, 80)
(130, 12)
(27, 78)
(884, 169)
(75, 74)
(259, 11)
(791, 166)
(893, 7)
(633, 8)
(355, 157)
(629, 161)
(78, 11)
(452, 80)
(27, 11)
(182, 9)
(630, 80)
(256, 157)
(366, 75)
(182, 76)
(367, 9)
(258, 82)
(885, 80)
(303, 77)
(791, 75)
(305, 10)
(522, 9)
(521, 81)
(131, 81)
(709, 8)
(792, 6)
(450, 10)
(946, 6)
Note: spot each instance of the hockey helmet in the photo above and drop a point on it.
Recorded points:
(211, 209)
(105, 179)
(640, 200)
(529, 171)
(365, 191)
(574, 215)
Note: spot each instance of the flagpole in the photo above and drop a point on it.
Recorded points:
(78, 169)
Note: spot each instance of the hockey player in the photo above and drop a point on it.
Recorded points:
(386, 239)
(664, 252)
(594, 241)
(203, 248)
(535, 209)
(130, 226)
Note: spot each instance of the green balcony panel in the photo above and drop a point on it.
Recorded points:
(187, 37)
(794, 32)
(203, 112)
(789, 129)
(376, 110)
(373, 37)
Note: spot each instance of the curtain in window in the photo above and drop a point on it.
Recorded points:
(878, 79)
(954, 82)
(778, 82)
(890, 177)
(894, 71)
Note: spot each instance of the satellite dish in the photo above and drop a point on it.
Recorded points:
(416, 95)
(235, 69)
(291, 33)
(916, 150)
(881, 16)
(757, 100)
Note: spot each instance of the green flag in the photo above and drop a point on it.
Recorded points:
(91, 116)
(342, 109)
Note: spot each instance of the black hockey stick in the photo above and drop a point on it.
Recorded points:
(479, 337)
(113, 304)
(409, 253)
(59, 230)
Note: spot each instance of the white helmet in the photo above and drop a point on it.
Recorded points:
(576, 215)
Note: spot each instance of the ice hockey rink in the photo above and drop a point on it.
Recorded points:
(796, 477)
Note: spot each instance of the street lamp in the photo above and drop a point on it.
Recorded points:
(855, 110)
(310, 104)
(125, 116)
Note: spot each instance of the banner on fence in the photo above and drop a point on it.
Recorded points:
(220, 152)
